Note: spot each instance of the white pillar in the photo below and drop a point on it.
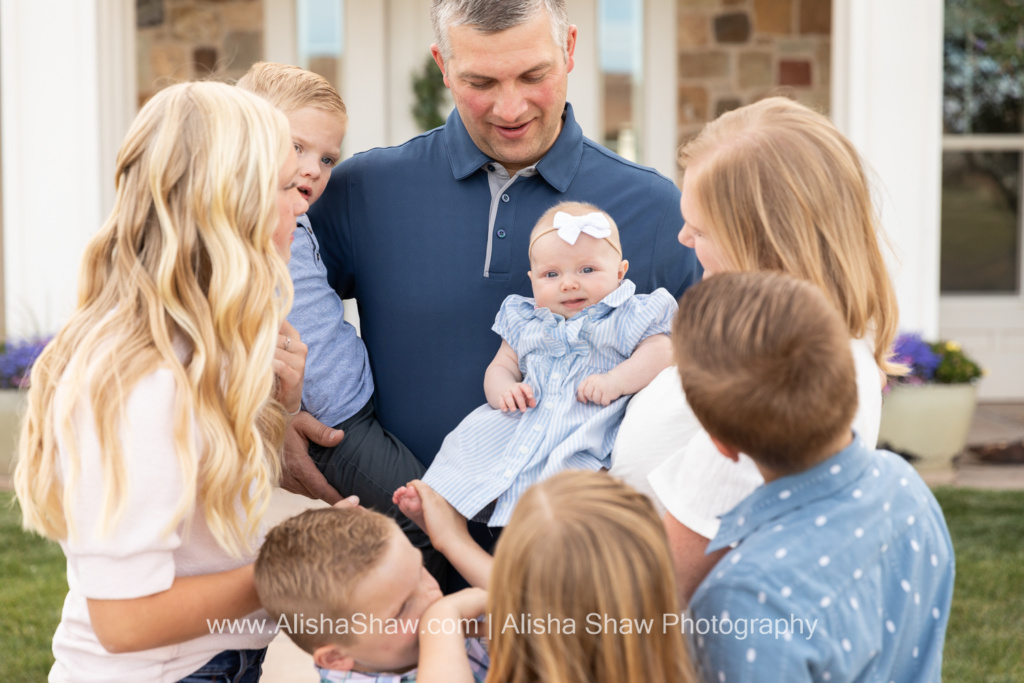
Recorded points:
(67, 73)
(887, 98)
(661, 127)
(364, 81)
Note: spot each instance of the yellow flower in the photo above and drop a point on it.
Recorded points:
(952, 346)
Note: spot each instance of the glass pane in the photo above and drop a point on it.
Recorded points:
(983, 67)
(980, 218)
(321, 39)
(620, 37)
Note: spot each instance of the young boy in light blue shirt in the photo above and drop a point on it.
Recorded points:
(841, 566)
(338, 385)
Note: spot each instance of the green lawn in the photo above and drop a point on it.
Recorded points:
(984, 642)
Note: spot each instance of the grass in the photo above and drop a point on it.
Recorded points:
(32, 590)
(985, 638)
(983, 643)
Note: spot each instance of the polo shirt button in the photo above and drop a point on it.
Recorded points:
(524, 450)
(537, 428)
(548, 406)
(501, 233)
(490, 167)
(504, 198)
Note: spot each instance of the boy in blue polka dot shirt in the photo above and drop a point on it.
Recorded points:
(841, 566)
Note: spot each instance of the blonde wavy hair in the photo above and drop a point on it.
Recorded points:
(185, 258)
(579, 544)
(782, 189)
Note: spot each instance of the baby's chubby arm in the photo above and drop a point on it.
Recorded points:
(447, 530)
(650, 357)
(503, 383)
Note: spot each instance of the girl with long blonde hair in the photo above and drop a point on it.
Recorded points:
(156, 415)
(581, 591)
(770, 186)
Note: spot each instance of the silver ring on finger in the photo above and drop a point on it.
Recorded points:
(287, 342)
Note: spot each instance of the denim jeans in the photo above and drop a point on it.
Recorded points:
(230, 666)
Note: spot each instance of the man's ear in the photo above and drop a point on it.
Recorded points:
(623, 267)
(331, 657)
(570, 48)
(725, 449)
(435, 52)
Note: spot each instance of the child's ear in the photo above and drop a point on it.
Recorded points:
(623, 267)
(331, 657)
(725, 449)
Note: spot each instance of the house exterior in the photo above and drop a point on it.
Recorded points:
(648, 75)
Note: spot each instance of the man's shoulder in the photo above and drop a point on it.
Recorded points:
(599, 159)
(416, 149)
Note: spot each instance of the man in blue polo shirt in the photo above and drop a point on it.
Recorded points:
(430, 236)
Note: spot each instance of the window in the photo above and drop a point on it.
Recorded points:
(621, 57)
(983, 146)
(321, 38)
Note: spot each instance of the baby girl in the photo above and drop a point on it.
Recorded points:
(569, 359)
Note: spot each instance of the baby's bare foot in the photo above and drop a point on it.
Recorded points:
(409, 502)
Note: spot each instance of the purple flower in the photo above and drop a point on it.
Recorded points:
(912, 351)
(16, 359)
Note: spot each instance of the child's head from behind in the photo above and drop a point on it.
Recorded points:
(316, 113)
(350, 567)
(575, 258)
(582, 544)
(766, 365)
(775, 186)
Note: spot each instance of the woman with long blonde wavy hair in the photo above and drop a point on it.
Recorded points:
(156, 415)
(771, 186)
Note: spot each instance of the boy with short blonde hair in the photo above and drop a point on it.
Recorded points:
(347, 587)
(338, 385)
(841, 565)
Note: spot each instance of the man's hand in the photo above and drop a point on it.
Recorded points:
(299, 473)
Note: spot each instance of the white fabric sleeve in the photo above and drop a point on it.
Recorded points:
(656, 427)
(700, 484)
(133, 557)
(869, 392)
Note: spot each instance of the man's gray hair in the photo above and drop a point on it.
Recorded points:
(493, 16)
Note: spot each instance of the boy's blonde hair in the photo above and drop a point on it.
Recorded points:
(185, 256)
(782, 189)
(545, 223)
(310, 564)
(766, 365)
(290, 88)
(578, 544)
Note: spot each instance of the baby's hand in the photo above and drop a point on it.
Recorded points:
(519, 396)
(601, 389)
(462, 608)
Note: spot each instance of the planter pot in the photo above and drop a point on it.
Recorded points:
(929, 421)
(13, 403)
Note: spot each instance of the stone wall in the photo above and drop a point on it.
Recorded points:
(733, 52)
(181, 40)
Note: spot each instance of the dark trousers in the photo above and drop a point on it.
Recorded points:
(371, 463)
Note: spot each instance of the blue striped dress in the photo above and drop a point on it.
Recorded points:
(493, 457)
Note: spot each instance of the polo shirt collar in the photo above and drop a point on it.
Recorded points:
(786, 494)
(558, 167)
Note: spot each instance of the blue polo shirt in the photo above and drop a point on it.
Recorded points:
(413, 234)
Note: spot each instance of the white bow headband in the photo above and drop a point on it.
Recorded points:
(570, 227)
